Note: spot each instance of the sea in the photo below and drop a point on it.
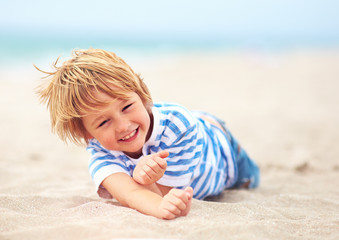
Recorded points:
(22, 50)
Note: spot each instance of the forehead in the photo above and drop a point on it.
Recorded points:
(101, 97)
(104, 94)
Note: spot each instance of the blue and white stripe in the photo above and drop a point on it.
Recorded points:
(200, 153)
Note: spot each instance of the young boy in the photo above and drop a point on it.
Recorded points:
(151, 157)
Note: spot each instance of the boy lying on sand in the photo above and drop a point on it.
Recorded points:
(153, 157)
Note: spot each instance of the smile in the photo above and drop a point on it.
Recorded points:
(130, 136)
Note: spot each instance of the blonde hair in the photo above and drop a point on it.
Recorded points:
(69, 91)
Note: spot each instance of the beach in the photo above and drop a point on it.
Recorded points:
(282, 106)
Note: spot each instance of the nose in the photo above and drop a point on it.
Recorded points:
(122, 125)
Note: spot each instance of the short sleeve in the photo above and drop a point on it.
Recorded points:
(104, 163)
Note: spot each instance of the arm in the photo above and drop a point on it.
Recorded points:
(150, 168)
(142, 198)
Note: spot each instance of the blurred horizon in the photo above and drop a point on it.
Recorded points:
(37, 28)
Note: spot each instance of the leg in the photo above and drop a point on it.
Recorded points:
(248, 171)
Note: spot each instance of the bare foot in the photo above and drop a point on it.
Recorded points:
(245, 184)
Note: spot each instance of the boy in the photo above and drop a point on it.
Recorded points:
(151, 157)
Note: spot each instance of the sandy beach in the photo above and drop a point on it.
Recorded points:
(282, 107)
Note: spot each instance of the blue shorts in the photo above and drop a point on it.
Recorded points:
(247, 168)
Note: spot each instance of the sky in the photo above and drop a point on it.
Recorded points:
(172, 22)
(175, 16)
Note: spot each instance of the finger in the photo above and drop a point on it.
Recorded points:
(148, 172)
(162, 154)
(180, 194)
(189, 192)
(167, 214)
(152, 163)
(188, 208)
(161, 162)
(158, 165)
(143, 177)
(177, 201)
(172, 208)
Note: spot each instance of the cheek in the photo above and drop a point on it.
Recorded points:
(146, 121)
(106, 140)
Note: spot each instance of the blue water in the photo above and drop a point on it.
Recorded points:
(31, 30)
(30, 47)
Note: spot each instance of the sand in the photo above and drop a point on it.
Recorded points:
(282, 106)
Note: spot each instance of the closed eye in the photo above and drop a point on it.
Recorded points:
(103, 123)
(126, 107)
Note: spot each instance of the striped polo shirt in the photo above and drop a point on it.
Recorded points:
(199, 153)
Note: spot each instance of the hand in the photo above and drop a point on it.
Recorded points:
(176, 203)
(150, 168)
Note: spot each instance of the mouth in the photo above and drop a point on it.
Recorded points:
(131, 136)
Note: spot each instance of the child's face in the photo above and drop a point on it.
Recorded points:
(123, 125)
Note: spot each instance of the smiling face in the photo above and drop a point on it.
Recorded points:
(123, 125)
